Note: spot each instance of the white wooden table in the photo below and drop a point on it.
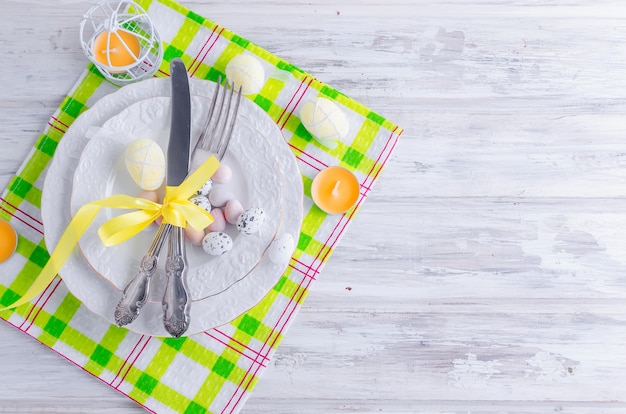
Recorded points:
(487, 270)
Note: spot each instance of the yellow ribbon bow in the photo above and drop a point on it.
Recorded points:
(176, 210)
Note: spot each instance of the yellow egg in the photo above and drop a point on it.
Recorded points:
(145, 163)
(324, 120)
(8, 240)
(246, 71)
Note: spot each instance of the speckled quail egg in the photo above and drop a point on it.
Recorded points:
(217, 243)
(201, 201)
(251, 220)
(206, 188)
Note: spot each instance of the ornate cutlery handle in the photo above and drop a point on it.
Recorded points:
(176, 302)
(136, 292)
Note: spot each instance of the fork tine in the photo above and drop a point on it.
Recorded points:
(226, 111)
(231, 125)
(207, 131)
(220, 114)
(222, 118)
(219, 125)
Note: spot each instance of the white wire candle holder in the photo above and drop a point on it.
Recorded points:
(119, 38)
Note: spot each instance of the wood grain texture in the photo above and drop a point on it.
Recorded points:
(486, 273)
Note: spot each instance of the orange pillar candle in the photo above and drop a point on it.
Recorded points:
(8, 240)
(116, 48)
(335, 190)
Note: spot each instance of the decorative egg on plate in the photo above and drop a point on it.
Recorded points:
(217, 243)
(193, 235)
(201, 201)
(251, 220)
(223, 174)
(232, 211)
(206, 188)
(219, 222)
(149, 195)
(145, 163)
(281, 249)
(220, 196)
(246, 71)
(325, 121)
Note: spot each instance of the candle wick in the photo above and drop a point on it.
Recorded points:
(336, 188)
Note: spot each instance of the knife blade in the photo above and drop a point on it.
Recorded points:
(180, 128)
(176, 304)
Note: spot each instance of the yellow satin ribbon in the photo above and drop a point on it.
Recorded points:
(176, 210)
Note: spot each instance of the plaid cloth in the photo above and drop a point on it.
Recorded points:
(214, 371)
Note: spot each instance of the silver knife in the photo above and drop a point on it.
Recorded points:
(176, 302)
(136, 292)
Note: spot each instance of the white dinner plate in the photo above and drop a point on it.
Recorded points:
(101, 296)
(101, 172)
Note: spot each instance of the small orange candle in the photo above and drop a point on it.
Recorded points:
(116, 48)
(335, 190)
(8, 240)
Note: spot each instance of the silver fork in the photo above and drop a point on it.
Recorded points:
(215, 139)
(137, 290)
(222, 128)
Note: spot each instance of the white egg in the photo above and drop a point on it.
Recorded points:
(220, 196)
(246, 72)
(251, 220)
(201, 201)
(217, 243)
(145, 163)
(325, 121)
(281, 249)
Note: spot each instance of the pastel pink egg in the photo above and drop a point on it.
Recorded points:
(223, 174)
(194, 236)
(219, 222)
(149, 195)
(232, 211)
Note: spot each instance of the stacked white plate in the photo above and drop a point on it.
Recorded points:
(84, 169)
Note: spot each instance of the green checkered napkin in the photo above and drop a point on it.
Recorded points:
(215, 370)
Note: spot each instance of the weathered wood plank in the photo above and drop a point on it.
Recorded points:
(485, 273)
